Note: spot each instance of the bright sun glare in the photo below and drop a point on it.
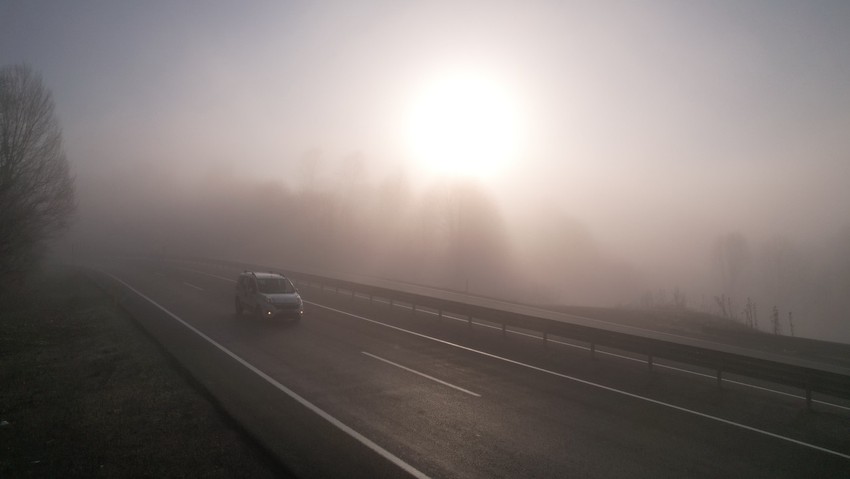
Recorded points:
(464, 125)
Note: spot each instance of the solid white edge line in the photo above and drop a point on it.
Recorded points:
(592, 384)
(193, 286)
(334, 421)
(422, 374)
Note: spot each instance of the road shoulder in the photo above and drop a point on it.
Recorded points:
(87, 393)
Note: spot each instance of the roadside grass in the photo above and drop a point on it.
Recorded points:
(85, 393)
(717, 329)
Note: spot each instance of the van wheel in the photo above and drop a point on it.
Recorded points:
(239, 308)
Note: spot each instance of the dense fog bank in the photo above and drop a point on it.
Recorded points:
(341, 216)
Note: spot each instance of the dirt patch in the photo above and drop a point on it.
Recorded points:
(86, 394)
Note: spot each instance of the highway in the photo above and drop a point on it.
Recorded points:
(360, 389)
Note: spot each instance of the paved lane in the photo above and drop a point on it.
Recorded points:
(526, 418)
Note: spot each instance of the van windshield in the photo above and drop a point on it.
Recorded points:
(275, 286)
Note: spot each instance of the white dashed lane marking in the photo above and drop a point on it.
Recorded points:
(432, 378)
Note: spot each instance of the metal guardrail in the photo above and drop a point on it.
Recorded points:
(808, 375)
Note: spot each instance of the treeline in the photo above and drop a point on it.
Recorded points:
(340, 216)
(776, 285)
(799, 288)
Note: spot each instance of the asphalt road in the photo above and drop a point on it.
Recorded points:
(372, 390)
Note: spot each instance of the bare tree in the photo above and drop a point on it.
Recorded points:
(310, 169)
(725, 304)
(680, 299)
(732, 256)
(790, 323)
(751, 314)
(36, 187)
(774, 320)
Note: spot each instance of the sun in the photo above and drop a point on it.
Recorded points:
(464, 124)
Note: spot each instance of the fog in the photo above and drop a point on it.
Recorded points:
(668, 155)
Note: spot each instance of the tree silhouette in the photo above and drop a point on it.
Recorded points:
(36, 188)
(732, 256)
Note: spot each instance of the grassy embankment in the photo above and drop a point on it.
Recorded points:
(85, 393)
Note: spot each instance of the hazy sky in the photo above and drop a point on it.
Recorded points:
(657, 124)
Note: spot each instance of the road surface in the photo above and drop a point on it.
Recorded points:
(360, 389)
